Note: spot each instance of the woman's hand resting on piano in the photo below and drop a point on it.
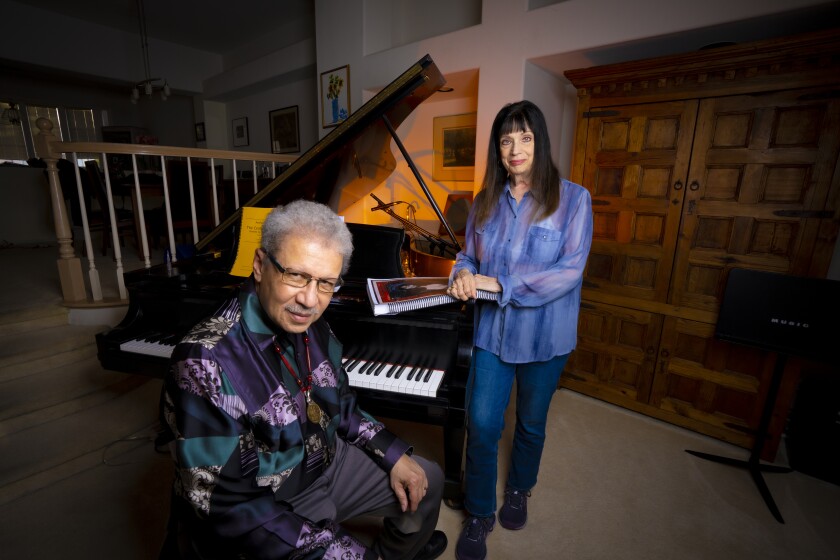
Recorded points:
(465, 285)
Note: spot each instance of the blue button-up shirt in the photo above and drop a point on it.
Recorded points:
(539, 265)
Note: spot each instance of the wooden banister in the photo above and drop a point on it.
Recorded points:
(51, 149)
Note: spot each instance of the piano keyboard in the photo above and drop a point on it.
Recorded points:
(159, 345)
(376, 373)
(419, 380)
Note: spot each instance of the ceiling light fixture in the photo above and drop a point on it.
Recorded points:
(149, 85)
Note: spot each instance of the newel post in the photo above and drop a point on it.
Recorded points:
(69, 265)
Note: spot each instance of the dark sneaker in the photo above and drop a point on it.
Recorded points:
(471, 544)
(514, 512)
(433, 548)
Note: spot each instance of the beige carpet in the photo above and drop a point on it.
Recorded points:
(613, 484)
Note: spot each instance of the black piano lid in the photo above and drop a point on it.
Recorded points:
(356, 155)
(781, 313)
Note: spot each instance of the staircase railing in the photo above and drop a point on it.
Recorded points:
(76, 292)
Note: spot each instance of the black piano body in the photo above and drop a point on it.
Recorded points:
(166, 301)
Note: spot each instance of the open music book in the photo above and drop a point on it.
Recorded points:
(389, 296)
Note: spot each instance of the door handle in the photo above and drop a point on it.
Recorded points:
(694, 186)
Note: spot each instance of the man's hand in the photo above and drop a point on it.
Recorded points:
(408, 480)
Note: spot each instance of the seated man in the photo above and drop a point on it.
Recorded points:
(271, 451)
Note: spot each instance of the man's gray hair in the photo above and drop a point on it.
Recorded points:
(308, 220)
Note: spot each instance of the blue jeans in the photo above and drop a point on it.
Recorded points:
(488, 394)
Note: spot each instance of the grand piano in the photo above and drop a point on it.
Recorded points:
(411, 366)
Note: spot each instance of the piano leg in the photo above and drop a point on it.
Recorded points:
(454, 435)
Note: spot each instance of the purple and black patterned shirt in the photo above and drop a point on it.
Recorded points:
(243, 442)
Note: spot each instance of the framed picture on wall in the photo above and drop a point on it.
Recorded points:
(240, 131)
(285, 134)
(335, 96)
(200, 135)
(454, 145)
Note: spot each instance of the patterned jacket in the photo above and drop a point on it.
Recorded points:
(239, 444)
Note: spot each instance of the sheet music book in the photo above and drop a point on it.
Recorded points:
(389, 296)
(249, 240)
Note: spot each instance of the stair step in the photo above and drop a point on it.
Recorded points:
(41, 397)
(50, 449)
(28, 320)
(136, 451)
(22, 353)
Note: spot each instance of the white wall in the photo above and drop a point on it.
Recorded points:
(509, 36)
(256, 107)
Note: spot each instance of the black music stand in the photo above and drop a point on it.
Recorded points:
(785, 314)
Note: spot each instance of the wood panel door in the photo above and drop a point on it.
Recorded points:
(698, 163)
(708, 385)
(683, 192)
(759, 182)
(616, 353)
(637, 161)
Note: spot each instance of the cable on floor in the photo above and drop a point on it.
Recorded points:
(154, 438)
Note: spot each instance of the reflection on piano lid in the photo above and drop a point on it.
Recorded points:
(351, 160)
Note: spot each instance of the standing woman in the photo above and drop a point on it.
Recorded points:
(528, 237)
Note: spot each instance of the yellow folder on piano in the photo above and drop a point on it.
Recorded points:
(250, 234)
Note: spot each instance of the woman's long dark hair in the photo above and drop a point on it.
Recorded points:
(545, 178)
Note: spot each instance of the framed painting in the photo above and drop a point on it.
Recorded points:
(200, 135)
(335, 96)
(240, 131)
(454, 146)
(285, 134)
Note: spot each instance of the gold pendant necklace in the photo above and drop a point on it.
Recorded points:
(313, 411)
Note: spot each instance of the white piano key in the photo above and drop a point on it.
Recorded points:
(431, 386)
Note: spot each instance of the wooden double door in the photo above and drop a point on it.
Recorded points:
(683, 191)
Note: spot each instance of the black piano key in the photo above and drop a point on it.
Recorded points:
(351, 359)
(396, 366)
(350, 355)
(410, 366)
(387, 359)
(368, 361)
(424, 375)
(367, 369)
(172, 339)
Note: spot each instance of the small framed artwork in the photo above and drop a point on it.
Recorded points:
(240, 131)
(454, 145)
(335, 96)
(285, 135)
(200, 136)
